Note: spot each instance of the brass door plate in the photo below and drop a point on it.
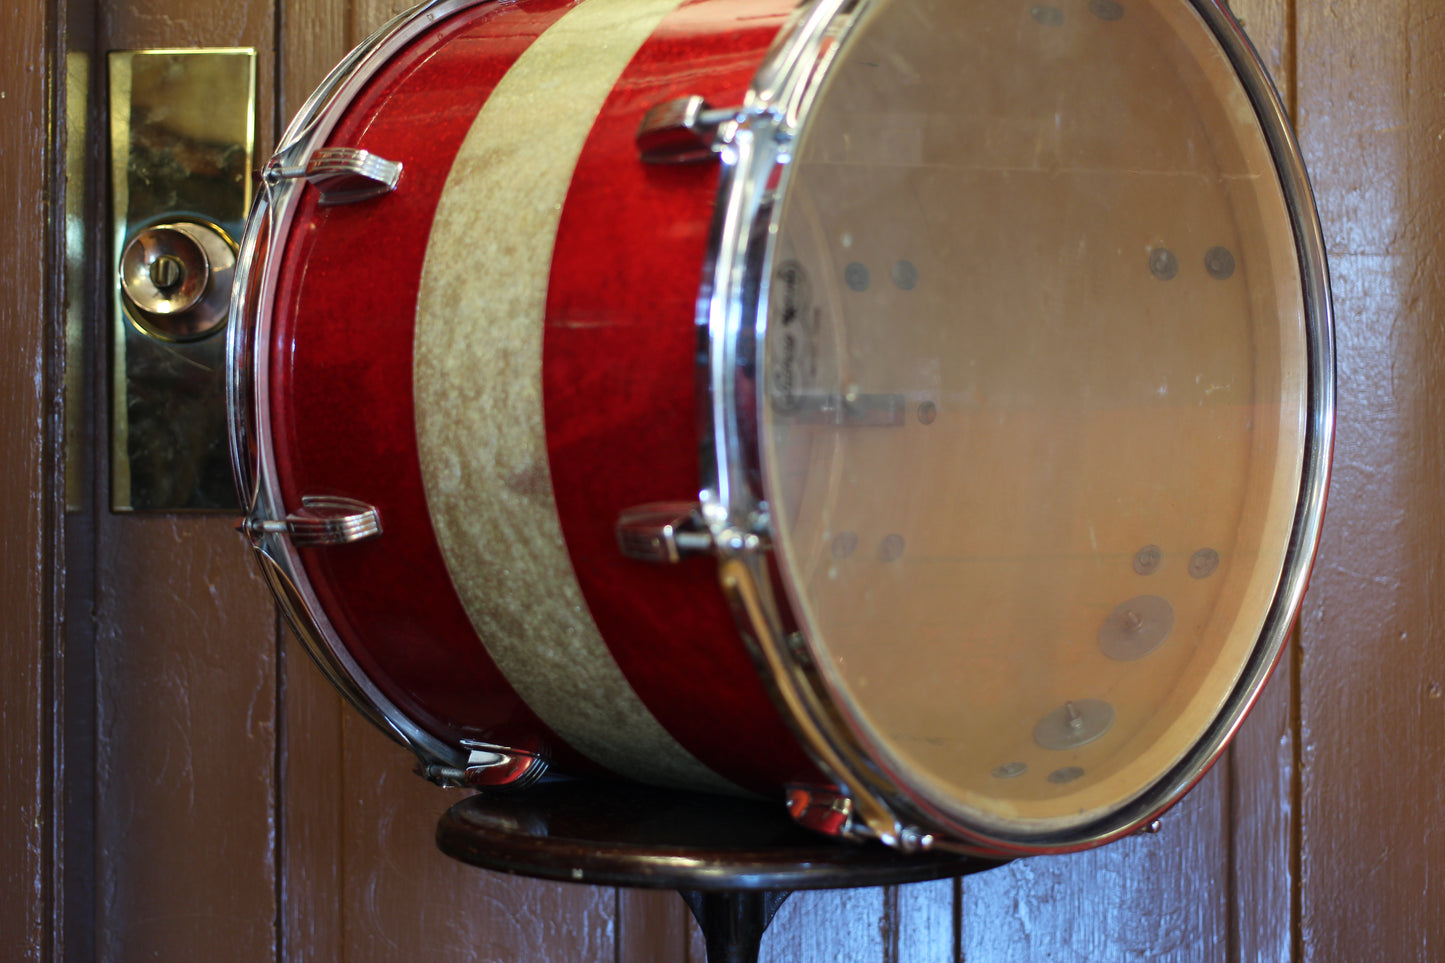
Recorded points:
(182, 143)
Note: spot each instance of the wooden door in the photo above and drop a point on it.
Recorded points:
(179, 783)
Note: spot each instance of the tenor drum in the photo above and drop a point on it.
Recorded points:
(917, 411)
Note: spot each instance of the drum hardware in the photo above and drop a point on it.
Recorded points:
(663, 532)
(1152, 828)
(1203, 563)
(322, 520)
(343, 175)
(1148, 559)
(681, 131)
(850, 408)
(491, 767)
(1219, 262)
(1136, 628)
(824, 811)
(1074, 724)
(1163, 264)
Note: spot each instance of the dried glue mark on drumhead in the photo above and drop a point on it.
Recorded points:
(927, 413)
(1163, 264)
(1106, 9)
(1219, 262)
(1048, 16)
(1136, 628)
(845, 544)
(1067, 774)
(855, 276)
(1203, 563)
(891, 548)
(1147, 560)
(1074, 724)
(905, 275)
(1010, 770)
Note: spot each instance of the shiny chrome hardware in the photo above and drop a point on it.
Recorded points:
(1136, 627)
(822, 810)
(175, 279)
(663, 532)
(491, 767)
(322, 520)
(343, 175)
(681, 131)
(851, 409)
(1074, 724)
(1150, 828)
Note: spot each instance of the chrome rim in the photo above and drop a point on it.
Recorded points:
(732, 320)
(248, 374)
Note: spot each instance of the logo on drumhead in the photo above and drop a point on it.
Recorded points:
(792, 329)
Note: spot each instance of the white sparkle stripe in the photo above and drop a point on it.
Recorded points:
(478, 391)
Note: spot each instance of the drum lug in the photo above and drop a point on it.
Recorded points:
(681, 131)
(322, 520)
(491, 767)
(343, 175)
(828, 811)
(824, 811)
(663, 532)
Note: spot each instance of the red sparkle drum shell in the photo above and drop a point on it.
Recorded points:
(936, 527)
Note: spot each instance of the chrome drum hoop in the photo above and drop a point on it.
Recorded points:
(732, 323)
(248, 373)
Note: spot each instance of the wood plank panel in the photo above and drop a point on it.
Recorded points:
(1158, 897)
(402, 899)
(186, 667)
(27, 486)
(1373, 665)
(1260, 764)
(653, 926)
(924, 918)
(186, 746)
(828, 926)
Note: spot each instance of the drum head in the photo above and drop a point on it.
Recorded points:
(1036, 401)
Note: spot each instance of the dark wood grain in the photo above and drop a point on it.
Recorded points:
(311, 746)
(186, 825)
(1372, 667)
(403, 900)
(1146, 897)
(829, 926)
(650, 928)
(27, 487)
(185, 782)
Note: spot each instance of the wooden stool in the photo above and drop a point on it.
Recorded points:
(734, 861)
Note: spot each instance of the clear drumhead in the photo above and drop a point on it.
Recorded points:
(1035, 397)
